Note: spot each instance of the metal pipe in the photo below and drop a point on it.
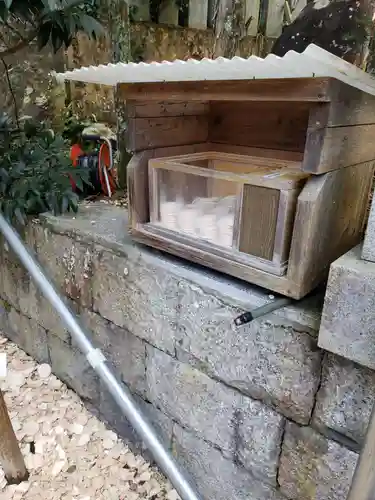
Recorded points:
(363, 483)
(120, 392)
(249, 316)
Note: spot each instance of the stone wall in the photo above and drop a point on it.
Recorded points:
(257, 412)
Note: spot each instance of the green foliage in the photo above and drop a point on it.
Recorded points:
(35, 172)
(55, 21)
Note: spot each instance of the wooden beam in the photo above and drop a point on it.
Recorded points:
(158, 132)
(153, 109)
(348, 106)
(279, 284)
(329, 222)
(287, 89)
(252, 10)
(11, 458)
(335, 148)
(275, 18)
(198, 14)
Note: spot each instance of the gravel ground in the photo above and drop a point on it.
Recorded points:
(69, 453)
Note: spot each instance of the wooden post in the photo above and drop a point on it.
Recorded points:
(198, 14)
(11, 458)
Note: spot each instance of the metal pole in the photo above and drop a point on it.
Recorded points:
(249, 316)
(363, 484)
(120, 392)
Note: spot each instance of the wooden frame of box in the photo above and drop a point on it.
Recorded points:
(322, 127)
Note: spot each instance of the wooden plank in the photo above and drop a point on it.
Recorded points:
(254, 151)
(252, 11)
(284, 227)
(348, 106)
(275, 18)
(198, 14)
(11, 459)
(287, 89)
(152, 109)
(258, 221)
(168, 12)
(329, 221)
(268, 125)
(151, 133)
(138, 189)
(278, 284)
(338, 147)
(140, 10)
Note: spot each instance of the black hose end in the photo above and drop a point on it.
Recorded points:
(245, 318)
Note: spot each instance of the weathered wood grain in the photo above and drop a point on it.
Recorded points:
(271, 125)
(329, 221)
(252, 10)
(334, 148)
(275, 18)
(198, 14)
(151, 109)
(255, 151)
(138, 188)
(198, 255)
(151, 133)
(348, 106)
(258, 222)
(287, 89)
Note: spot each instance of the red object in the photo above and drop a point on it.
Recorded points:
(105, 161)
(75, 152)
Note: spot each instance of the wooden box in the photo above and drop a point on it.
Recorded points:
(238, 206)
(294, 159)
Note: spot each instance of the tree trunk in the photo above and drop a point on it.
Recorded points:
(11, 458)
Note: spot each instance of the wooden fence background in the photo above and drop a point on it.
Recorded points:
(262, 16)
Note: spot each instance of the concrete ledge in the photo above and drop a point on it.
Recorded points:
(348, 320)
(107, 225)
(368, 252)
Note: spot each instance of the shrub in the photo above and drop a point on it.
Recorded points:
(36, 172)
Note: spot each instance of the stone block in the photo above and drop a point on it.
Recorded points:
(313, 467)
(110, 413)
(138, 297)
(368, 251)
(124, 351)
(67, 262)
(14, 279)
(268, 359)
(24, 332)
(216, 477)
(71, 366)
(35, 305)
(345, 400)
(243, 429)
(348, 319)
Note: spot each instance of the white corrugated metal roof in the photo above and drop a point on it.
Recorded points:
(313, 62)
